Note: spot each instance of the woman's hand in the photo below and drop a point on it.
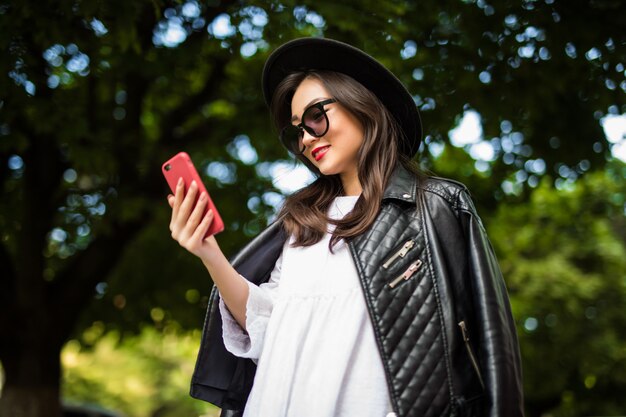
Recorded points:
(188, 225)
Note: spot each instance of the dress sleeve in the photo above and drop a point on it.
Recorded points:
(249, 344)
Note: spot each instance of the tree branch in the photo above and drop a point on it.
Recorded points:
(72, 291)
(194, 42)
(7, 286)
(192, 103)
(41, 180)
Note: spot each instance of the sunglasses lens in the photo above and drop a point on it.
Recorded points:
(291, 137)
(315, 121)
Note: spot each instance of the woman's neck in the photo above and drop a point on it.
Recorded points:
(351, 184)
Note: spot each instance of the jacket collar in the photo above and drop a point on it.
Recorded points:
(402, 185)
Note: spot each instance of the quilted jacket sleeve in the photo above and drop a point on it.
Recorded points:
(498, 346)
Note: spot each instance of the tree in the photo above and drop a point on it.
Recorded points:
(96, 95)
(564, 255)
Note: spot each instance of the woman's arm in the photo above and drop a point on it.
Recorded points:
(188, 228)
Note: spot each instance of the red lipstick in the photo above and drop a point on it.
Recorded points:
(319, 152)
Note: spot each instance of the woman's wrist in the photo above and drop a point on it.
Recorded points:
(213, 254)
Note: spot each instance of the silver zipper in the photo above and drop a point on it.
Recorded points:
(470, 351)
(400, 253)
(406, 274)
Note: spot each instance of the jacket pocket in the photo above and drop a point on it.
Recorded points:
(408, 273)
(399, 253)
(470, 352)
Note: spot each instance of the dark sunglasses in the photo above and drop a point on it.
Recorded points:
(314, 121)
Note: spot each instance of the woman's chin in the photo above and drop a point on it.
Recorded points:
(325, 170)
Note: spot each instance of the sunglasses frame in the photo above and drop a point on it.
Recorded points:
(298, 130)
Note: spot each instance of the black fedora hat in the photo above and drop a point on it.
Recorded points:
(331, 55)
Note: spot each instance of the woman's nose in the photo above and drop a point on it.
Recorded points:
(308, 139)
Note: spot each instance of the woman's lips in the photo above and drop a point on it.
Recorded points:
(318, 153)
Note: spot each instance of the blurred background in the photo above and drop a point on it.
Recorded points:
(523, 101)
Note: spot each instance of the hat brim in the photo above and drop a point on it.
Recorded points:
(331, 55)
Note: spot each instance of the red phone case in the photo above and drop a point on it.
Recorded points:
(180, 165)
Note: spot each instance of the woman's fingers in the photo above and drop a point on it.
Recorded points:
(175, 202)
(182, 205)
(178, 197)
(198, 234)
(189, 224)
(196, 215)
(188, 202)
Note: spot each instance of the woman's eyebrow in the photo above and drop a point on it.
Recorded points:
(295, 117)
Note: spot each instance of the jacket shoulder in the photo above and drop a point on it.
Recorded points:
(453, 192)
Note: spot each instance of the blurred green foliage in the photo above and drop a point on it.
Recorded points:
(142, 375)
(564, 257)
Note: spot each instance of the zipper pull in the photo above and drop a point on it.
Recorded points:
(403, 250)
(407, 274)
(464, 331)
(470, 352)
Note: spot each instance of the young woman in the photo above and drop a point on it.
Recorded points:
(376, 292)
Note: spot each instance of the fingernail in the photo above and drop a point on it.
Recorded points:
(202, 196)
(180, 181)
(193, 183)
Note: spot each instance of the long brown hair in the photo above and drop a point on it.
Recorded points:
(304, 212)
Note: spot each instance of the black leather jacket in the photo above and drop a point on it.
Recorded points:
(445, 334)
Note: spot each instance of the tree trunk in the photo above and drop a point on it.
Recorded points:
(32, 382)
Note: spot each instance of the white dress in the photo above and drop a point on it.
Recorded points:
(311, 336)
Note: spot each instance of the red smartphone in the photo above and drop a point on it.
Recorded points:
(180, 166)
